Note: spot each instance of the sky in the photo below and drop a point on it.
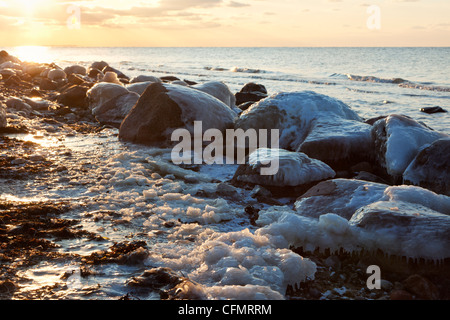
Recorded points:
(225, 23)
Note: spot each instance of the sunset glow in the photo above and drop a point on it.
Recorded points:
(225, 23)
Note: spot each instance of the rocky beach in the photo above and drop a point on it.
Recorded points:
(93, 207)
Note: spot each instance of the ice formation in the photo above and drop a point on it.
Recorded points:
(398, 139)
(294, 114)
(293, 168)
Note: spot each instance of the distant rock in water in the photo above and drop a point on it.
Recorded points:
(431, 167)
(431, 110)
(398, 139)
(163, 108)
(290, 169)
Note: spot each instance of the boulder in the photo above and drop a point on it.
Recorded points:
(431, 110)
(339, 196)
(339, 142)
(251, 92)
(294, 114)
(163, 108)
(431, 167)
(113, 111)
(145, 78)
(75, 69)
(119, 73)
(56, 74)
(74, 97)
(404, 229)
(99, 65)
(101, 93)
(291, 169)
(18, 105)
(218, 90)
(111, 77)
(47, 84)
(397, 140)
(139, 87)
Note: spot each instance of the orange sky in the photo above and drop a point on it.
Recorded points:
(225, 23)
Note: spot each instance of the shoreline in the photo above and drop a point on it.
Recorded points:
(33, 238)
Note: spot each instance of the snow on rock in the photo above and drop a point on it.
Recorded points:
(218, 90)
(405, 229)
(431, 167)
(294, 114)
(394, 227)
(162, 108)
(289, 169)
(418, 195)
(339, 142)
(398, 139)
(339, 196)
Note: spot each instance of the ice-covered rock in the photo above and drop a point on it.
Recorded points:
(397, 141)
(431, 167)
(101, 93)
(404, 229)
(339, 196)
(290, 169)
(294, 114)
(339, 142)
(162, 108)
(219, 90)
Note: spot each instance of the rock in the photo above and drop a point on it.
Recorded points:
(169, 78)
(75, 79)
(431, 110)
(74, 97)
(386, 285)
(47, 84)
(139, 87)
(421, 287)
(115, 110)
(7, 73)
(218, 90)
(38, 104)
(294, 114)
(399, 294)
(290, 169)
(163, 108)
(18, 105)
(75, 69)
(101, 93)
(254, 87)
(339, 196)
(244, 106)
(111, 77)
(339, 142)
(156, 279)
(362, 166)
(251, 92)
(225, 189)
(7, 287)
(5, 56)
(404, 229)
(431, 168)
(3, 120)
(56, 74)
(119, 74)
(244, 97)
(397, 140)
(144, 78)
(367, 176)
(259, 191)
(100, 65)
(95, 73)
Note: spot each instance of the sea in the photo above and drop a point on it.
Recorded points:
(126, 192)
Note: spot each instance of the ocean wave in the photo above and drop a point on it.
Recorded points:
(402, 83)
(235, 69)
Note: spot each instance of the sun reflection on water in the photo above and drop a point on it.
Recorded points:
(39, 54)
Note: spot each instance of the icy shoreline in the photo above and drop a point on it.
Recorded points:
(140, 212)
